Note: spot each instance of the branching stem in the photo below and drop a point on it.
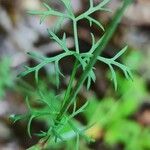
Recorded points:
(92, 10)
(109, 32)
(85, 60)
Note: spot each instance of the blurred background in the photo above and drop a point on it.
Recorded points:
(122, 118)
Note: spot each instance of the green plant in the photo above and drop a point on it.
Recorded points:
(57, 114)
(116, 124)
(6, 77)
(116, 120)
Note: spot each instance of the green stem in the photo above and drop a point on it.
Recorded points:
(92, 10)
(76, 35)
(68, 91)
(106, 38)
(76, 62)
(67, 94)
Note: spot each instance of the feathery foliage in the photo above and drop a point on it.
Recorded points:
(56, 107)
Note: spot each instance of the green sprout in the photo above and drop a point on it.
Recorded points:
(59, 117)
